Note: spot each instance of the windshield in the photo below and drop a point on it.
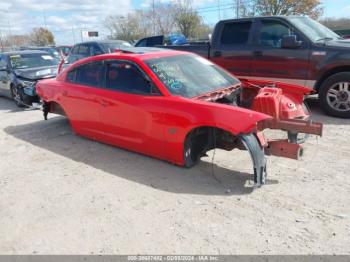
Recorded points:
(314, 30)
(22, 61)
(110, 47)
(189, 75)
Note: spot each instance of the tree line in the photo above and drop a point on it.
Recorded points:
(181, 17)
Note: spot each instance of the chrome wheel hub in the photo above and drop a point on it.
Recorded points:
(338, 96)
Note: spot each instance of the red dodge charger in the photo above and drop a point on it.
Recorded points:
(176, 106)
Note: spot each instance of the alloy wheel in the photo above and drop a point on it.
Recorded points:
(338, 96)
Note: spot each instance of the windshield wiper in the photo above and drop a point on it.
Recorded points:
(325, 39)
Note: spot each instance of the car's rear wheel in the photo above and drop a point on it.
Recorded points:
(335, 95)
(17, 96)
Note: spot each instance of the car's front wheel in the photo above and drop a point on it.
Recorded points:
(334, 95)
(17, 96)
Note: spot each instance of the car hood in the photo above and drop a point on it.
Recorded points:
(37, 73)
(345, 43)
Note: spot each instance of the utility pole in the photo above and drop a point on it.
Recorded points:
(153, 18)
(219, 10)
(238, 4)
(2, 45)
(73, 35)
(10, 34)
(44, 17)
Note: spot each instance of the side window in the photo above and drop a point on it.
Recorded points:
(3, 61)
(272, 32)
(236, 33)
(126, 77)
(142, 43)
(90, 74)
(75, 50)
(84, 50)
(96, 50)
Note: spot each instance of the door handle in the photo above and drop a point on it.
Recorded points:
(257, 53)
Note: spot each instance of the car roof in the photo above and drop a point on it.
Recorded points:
(102, 42)
(38, 47)
(259, 17)
(25, 52)
(141, 53)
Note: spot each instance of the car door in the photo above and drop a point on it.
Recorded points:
(5, 80)
(274, 62)
(231, 46)
(73, 55)
(131, 109)
(79, 52)
(79, 98)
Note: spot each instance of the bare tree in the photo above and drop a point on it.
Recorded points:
(337, 23)
(162, 19)
(133, 26)
(189, 22)
(165, 16)
(311, 8)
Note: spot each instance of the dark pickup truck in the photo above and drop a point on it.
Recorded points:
(292, 49)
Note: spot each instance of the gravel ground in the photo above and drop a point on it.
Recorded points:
(64, 194)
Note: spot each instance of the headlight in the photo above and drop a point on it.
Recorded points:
(27, 83)
(29, 88)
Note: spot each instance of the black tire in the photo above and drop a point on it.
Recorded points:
(17, 96)
(188, 154)
(334, 95)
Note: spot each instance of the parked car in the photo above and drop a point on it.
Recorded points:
(20, 71)
(63, 50)
(176, 106)
(291, 49)
(92, 48)
(49, 49)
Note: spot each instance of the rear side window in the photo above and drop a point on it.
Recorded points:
(91, 74)
(236, 33)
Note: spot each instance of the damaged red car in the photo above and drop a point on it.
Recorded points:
(176, 106)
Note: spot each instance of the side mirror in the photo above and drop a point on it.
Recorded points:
(290, 42)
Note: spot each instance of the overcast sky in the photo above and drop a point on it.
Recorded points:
(66, 18)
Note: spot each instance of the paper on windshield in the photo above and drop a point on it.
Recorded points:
(47, 57)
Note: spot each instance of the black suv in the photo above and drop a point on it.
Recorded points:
(19, 72)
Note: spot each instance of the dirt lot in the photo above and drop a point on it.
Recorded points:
(60, 193)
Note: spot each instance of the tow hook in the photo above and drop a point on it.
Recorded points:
(258, 157)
